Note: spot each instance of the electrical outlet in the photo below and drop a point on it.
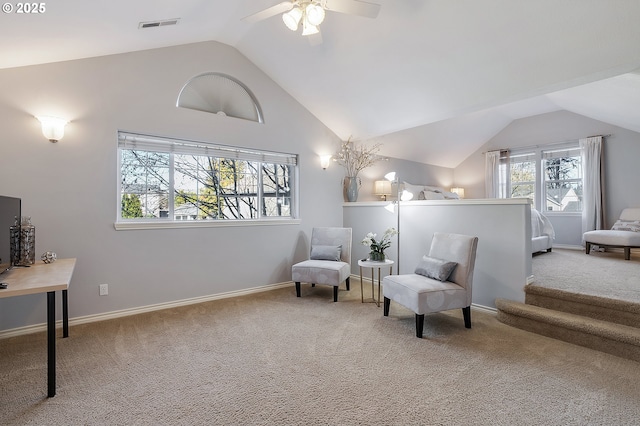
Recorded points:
(104, 289)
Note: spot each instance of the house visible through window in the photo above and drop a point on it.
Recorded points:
(563, 186)
(551, 178)
(162, 179)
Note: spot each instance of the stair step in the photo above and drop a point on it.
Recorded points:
(616, 339)
(599, 308)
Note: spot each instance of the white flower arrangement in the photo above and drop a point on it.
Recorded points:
(383, 244)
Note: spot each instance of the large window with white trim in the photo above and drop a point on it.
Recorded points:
(563, 187)
(551, 177)
(164, 180)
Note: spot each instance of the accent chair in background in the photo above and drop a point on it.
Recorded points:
(329, 261)
(441, 281)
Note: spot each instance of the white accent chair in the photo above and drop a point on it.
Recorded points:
(423, 295)
(624, 234)
(329, 261)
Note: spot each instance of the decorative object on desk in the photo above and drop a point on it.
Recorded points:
(23, 242)
(49, 257)
(378, 247)
(355, 158)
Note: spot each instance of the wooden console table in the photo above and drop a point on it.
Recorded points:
(44, 278)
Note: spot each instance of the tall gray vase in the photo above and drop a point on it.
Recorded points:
(351, 187)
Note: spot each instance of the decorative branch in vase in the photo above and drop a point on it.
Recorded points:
(354, 158)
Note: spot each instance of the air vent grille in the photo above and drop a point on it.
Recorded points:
(153, 24)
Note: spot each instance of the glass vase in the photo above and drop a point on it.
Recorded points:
(376, 256)
(23, 243)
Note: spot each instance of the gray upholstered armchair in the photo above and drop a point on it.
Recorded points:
(442, 280)
(329, 262)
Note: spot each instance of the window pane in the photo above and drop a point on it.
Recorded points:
(276, 190)
(523, 177)
(145, 184)
(563, 182)
(565, 198)
(195, 185)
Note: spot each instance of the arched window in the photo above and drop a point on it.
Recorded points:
(220, 94)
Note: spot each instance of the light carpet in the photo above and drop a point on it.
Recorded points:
(274, 359)
(602, 274)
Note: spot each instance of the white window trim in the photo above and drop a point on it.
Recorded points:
(141, 224)
(539, 187)
(178, 224)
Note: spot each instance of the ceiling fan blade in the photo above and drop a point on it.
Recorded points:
(315, 39)
(354, 7)
(285, 6)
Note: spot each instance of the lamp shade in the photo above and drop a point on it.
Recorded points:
(382, 187)
(52, 127)
(308, 28)
(325, 160)
(458, 190)
(292, 18)
(315, 14)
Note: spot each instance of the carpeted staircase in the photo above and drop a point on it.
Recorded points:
(603, 324)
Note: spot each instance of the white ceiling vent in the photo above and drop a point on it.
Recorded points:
(153, 24)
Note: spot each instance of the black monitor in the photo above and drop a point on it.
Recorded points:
(10, 209)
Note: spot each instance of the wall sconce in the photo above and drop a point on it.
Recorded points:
(382, 188)
(52, 127)
(458, 190)
(325, 160)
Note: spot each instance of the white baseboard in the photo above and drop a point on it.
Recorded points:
(36, 328)
(568, 247)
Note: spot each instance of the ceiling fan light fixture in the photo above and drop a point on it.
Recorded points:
(308, 29)
(314, 13)
(292, 18)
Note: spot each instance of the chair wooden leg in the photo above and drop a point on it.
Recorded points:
(298, 289)
(627, 253)
(387, 302)
(587, 247)
(348, 284)
(313, 284)
(419, 325)
(335, 293)
(466, 313)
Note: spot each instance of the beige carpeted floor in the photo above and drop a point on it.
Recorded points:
(603, 274)
(274, 359)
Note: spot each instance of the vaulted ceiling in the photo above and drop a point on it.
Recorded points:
(432, 80)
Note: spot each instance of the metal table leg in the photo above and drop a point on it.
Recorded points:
(51, 343)
(65, 314)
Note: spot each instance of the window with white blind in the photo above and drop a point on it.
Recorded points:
(164, 180)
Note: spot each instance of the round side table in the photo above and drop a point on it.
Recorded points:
(373, 265)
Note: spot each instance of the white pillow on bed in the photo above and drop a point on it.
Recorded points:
(415, 190)
(430, 195)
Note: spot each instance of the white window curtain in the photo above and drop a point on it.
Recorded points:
(592, 211)
(492, 174)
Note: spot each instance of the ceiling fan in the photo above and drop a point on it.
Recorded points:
(311, 13)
